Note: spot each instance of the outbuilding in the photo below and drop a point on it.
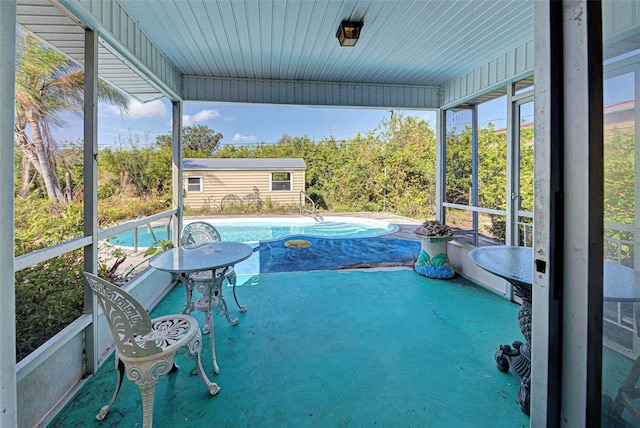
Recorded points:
(218, 182)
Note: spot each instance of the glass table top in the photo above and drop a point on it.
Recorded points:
(199, 257)
(620, 283)
(510, 263)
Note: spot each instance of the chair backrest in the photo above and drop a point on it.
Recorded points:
(126, 317)
(199, 232)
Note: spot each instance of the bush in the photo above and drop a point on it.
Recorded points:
(243, 208)
(49, 296)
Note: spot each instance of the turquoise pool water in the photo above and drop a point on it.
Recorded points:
(253, 230)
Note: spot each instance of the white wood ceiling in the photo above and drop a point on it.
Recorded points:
(403, 42)
(423, 42)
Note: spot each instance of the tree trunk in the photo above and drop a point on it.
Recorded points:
(47, 171)
(26, 177)
(68, 190)
(25, 144)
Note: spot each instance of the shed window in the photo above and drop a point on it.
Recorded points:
(280, 181)
(194, 184)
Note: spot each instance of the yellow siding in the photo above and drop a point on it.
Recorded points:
(218, 184)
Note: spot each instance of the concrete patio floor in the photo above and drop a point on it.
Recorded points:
(329, 348)
(335, 348)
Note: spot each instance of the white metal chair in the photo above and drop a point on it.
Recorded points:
(197, 233)
(145, 347)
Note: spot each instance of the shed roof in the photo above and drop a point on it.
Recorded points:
(245, 163)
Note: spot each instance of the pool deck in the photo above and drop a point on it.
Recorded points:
(405, 225)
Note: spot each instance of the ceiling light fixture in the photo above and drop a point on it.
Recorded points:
(348, 33)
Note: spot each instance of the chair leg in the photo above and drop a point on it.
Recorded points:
(212, 338)
(148, 389)
(188, 288)
(225, 311)
(145, 374)
(206, 329)
(120, 376)
(195, 348)
(233, 279)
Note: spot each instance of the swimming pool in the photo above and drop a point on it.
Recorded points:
(267, 229)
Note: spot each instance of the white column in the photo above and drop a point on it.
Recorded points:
(513, 168)
(441, 141)
(546, 341)
(583, 235)
(636, 179)
(473, 196)
(8, 400)
(568, 215)
(176, 171)
(91, 187)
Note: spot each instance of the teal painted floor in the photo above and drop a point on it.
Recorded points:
(334, 349)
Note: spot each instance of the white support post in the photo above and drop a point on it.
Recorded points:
(513, 167)
(8, 388)
(176, 171)
(441, 136)
(91, 187)
(546, 342)
(473, 197)
(583, 213)
(636, 186)
(568, 214)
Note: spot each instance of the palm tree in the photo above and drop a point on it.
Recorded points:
(48, 83)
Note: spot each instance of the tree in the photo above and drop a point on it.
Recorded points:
(198, 141)
(48, 83)
(459, 162)
(147, 170)
(392, 167)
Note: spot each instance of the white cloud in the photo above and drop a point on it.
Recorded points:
(228, 119)
(151, 109)
(243, 138)
(199, 117)
(109, 110)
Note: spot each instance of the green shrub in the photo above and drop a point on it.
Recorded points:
(49, 297)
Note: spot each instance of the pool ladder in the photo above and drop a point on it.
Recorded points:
(135, 233)
(303, 210)
(125, 277)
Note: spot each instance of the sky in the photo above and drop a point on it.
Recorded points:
(253, 124)
(239, 124)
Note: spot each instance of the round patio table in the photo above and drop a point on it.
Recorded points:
(515, 264)
(214, 256)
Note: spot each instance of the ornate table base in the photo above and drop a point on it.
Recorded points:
(210, 288)
(212, 298)
(216, 257)
(518, 355)
(519, 359)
